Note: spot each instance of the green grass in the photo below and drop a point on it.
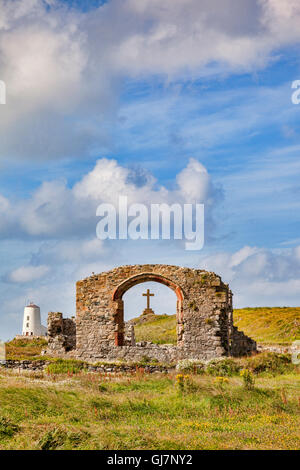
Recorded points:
(64, 366)
(269, 324)
(140, 411)
(277, 325)
(159, 329)
(24, 348)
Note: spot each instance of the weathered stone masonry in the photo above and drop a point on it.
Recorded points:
(204, 317)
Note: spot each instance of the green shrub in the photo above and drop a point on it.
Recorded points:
(273, 363)
(64, 366)
(220, 381)
(185, 383)
(51, 440)
(7, 427)
(190, 365)
(223, 367)
(74, 439)
(147, 360)
(248, 379)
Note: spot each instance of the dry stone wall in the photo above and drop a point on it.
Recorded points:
(204, 317)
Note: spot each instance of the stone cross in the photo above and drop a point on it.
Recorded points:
(148, 295)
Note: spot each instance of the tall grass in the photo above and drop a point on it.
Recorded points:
(140, 411)
(64, 366)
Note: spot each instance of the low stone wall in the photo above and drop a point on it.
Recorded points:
(25, 365)
(102, 368)
(275, 348)
(162, 353)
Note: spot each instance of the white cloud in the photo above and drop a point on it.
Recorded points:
(241, 255)
(194, 182)
(178, 36)
(65, 79)
(50, 89)
(56, 211)
(47, 212)
(259, 277)
(27, 274)
(106, 180)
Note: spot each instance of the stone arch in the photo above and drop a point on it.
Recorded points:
(117, 298)
(204, 315)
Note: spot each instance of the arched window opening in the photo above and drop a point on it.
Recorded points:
(151, 308)
(141, 286)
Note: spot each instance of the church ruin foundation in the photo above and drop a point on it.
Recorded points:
(98, 332)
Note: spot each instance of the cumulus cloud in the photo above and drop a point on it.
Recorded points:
(65, 79)
(258, 276)
(27, 274)
(177, 35)
(57, 211)
(50, 90)
(194, 182)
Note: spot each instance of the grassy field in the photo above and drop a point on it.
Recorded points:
(269, 324)
(160, 329)
(141, 411)
(264, 324)
(25, 349)
(66, 407)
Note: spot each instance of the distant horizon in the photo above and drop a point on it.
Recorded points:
(159, 311)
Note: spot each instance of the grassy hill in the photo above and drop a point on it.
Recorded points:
(24, 348)
(269, 324)
(264, 324)
(160, 329)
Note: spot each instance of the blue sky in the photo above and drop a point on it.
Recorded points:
(131, 97)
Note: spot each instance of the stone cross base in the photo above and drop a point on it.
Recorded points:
(148, 311)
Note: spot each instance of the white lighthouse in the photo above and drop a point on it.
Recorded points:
(32, 325)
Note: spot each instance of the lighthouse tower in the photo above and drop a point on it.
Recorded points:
(32, 325)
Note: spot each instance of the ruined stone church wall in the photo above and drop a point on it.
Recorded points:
(204, 317)
(242, 345)
(198, 318)
(61, 334)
